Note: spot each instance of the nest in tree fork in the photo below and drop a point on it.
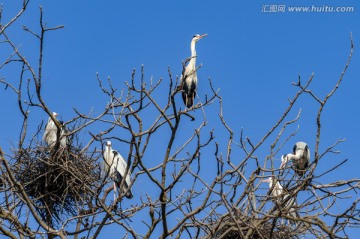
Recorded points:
(230, 229)
(58, 180)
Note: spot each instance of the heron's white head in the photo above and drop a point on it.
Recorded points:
(198, 37)
(271, 180)
(284, 160)
(55, 114)
(268, 180)
(108, 143)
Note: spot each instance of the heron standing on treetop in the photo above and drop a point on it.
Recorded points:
(188, 79)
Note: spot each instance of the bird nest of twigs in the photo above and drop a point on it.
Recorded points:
(272, 229)
(57, 179)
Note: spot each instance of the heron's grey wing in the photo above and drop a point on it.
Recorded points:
(307, 149)
(63, 139)
(294, 148)
(127, 178)
(118, 170)
(47, 128)
(121, 168)
(50, 133)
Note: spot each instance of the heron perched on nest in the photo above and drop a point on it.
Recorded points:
(115, 166)
(188, 80)
(279, 195)
(300, 158)
(50, 134)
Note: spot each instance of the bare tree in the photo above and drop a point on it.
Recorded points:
(195, 185)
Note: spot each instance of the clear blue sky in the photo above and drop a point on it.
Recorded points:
(250, 53)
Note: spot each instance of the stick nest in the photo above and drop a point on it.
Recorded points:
(57, 179)
(272, 229)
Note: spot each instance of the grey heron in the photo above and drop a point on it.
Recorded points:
(188, 80)
(300, 158)
(115, 166)
(279, 195)
(50, 134)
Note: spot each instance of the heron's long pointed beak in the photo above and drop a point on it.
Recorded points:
(204, 35)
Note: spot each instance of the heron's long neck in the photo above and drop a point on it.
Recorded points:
(278, 186)
(109, 159)
(277, 189)
(298, 154)
(192, 61)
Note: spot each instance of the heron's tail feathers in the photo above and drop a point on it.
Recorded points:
(188, 99)
(129, 194)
